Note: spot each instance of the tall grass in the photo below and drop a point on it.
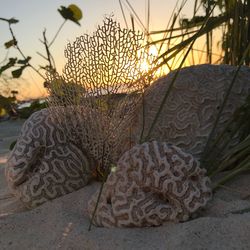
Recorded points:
(232, 22)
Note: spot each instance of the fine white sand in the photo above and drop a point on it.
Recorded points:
(63, 223)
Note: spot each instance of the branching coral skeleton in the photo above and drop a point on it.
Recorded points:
(102, 84)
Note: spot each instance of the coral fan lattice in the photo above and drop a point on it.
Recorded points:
(103, 74)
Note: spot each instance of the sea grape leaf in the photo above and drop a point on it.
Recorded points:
(10, 43)
(10, 21)
(77, 13)
(18, 72)
(13, 20)
(11, 63)
(25, 61)
(72, 12)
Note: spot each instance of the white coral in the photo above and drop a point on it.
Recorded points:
(45, 164)
(153, 183)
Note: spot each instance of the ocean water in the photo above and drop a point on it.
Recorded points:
(9, 132)
(3, 159)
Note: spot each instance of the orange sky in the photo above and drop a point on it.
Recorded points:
(35, 16)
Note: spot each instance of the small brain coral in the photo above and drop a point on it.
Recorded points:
(153, 183)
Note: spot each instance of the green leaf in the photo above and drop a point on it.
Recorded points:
(242, 211)
(77, 13)
(10, 21)
(18, 72)
(13, 20)
(12, 145)
(25, 61)
(72, 12)
(10, 64)
(10, 43)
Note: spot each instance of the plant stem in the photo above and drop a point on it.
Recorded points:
(123, 14)
(20, 51)
(54, 38)
(104, 178)
(49, 56)
(96, 206)
(143, 117)
(134, 12)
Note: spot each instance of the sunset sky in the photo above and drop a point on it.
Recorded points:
(35, 16)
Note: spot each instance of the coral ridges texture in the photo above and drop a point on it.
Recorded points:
(153, 182)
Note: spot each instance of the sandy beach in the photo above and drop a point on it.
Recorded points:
(63, 223)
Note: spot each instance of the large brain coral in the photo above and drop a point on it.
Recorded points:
(153, 183)
(190, 111)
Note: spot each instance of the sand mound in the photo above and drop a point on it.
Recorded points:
(63, 224)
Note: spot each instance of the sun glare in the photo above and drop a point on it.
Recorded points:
(145, 66)
(148, 62)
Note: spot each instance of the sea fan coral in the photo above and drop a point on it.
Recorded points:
(104, 77)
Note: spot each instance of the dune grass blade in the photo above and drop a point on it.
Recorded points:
(171, 29)
(173, 17)
(239, 124)
(143, 118)
(96, 206)
(173, 36)
(240, 147)
(223, 139)
(244, 166)
(207, 148)
(148, 17)
(210, 25)
(123, 14)
(234, 157)
(136, 15)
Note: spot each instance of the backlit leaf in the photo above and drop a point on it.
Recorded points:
(25, 61)
(10, 21)
(77, 13)
(13, 20)
(11, 63)
(72, 12)
(18, 72)
(10, 43)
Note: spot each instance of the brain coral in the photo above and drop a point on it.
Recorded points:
(153, 183)
(44, 164)
(189, 113)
